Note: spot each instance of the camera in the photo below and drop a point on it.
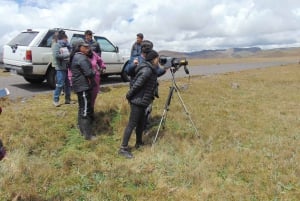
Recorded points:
(176, 63)
(172, 62)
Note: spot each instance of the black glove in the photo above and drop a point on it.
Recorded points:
(129, 95)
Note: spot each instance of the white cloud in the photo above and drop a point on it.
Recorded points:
(171, 24)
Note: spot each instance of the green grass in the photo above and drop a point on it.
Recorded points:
(248, 150)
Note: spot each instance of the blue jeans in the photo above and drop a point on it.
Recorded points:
(62, 83)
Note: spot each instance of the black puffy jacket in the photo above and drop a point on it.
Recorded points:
(143, 87)
(82, 73)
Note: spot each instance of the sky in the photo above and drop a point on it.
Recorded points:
(177, 25)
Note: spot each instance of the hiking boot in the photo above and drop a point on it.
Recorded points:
(139, 144)
(85, 127)
(56, 104)
(125, 152)
(91, 137)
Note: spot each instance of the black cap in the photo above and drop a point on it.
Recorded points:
(151, 55)
(79, 42)
(146, 46)
(83, 44)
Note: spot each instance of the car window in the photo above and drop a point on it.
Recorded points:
(23, 39)
(106, 45)
(47, 40)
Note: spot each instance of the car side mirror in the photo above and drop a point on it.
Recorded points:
(117, 49)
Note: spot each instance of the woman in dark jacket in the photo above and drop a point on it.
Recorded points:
(82, 82)
(140, 96)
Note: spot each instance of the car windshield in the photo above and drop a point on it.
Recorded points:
(23, 39)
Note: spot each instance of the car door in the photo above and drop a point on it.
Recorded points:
(110, 55)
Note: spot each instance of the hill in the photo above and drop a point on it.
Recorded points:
(235, 53)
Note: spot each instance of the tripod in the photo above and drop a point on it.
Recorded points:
(173, 88)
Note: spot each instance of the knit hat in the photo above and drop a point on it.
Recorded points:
(151, 55)
(146, 46)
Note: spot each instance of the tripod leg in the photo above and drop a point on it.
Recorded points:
(188, 114)
(162, 120)
(164, 115)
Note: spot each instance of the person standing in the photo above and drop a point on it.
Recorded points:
(83, 83)
(98, 67)
(146, 47)
(140, 96)
(61, 54)
(94, 45)
(135, 53)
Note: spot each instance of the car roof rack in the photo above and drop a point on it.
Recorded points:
(69, 29)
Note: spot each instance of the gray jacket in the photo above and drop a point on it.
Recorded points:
(60, 54)
(82, 73)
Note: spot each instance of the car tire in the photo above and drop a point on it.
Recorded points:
(124, 75)
(51, 77)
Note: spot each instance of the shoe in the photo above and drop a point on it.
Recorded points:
(69, 102)
(91, 138)
(85, 127)
(56, 104)
(139, 144)
(124, 152)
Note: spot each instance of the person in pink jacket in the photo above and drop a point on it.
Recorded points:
(98, 67)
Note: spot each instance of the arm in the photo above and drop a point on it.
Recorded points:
(140, 79)
(86, 67)
(160, 71)
(100, 62)
(98, 48)
(57, 52)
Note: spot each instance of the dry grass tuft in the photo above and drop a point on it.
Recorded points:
(248, 150)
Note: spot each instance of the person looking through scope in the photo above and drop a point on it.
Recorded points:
(146, 46)
(140, 96)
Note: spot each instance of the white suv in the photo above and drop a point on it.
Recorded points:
(29, 54)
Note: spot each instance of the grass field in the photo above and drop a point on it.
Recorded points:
(248, 150)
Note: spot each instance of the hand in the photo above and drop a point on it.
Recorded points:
(102, 70)
(136, 61)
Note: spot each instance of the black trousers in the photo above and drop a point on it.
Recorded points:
(85, 110)
(136, 120)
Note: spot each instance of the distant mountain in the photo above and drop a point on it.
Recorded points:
(234, 53)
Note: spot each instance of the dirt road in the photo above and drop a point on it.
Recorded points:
(19, 88)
